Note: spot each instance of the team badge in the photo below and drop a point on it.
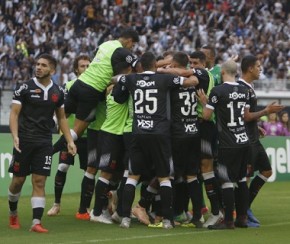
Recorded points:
(54, 98)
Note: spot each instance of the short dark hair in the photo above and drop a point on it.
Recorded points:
(130, 33)
(147, 60)
(247, 62)
(198, 55)
(181, 58)
(77, 59)
(211, 49)
(50, 59)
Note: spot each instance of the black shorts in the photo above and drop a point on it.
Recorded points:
(150, 152)
(232, 164)
(110, 152)
(82, 101)
(208, 138)
(92, 147)
(127, 138)
(35, 158)
(82, 151)
(258, 159)
(186, 156)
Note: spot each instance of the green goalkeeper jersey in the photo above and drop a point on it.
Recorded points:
(100, 70)
(100, 116)
(216, 73)
(116, 116)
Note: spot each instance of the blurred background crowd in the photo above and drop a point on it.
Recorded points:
(67, 28)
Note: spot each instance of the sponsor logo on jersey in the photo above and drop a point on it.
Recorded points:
(129, 59)
(143, 83)
(36, 91)
(190, 128)
(176, 80)
(35, 96)
(236, 95)
(54, 98)
(214, 99)
(22, 87)
(145, 124)
(241, 138)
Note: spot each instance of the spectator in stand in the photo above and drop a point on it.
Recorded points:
(284, 119)
(273, 127)
(257, 27)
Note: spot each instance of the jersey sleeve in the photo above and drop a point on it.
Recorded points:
(120, 93)
(203, 79)
(212, 100)
(60, 102)
(19, 93)
(121, 59)
(175, 81)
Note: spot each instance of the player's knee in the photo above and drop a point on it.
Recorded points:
(63, 167)
(91, 170)
(267, 173)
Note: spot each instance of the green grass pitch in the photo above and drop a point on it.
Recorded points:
(272, 207)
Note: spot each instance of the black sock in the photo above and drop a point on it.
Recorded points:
(88, 186)
(166, 202)
(229, 202)
(60, 145)
(37, 213)
(59, 183)
(101, 197)
(13, 206)
(128, 199)
(146, 199)
(179, 197)
(195, 194)
(242, 199)
(157, 205)
(210, 188)
(255, 187)
(120, 196)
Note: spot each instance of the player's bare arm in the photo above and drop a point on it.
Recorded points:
(63, 125)
(13, 123)
(270, 108)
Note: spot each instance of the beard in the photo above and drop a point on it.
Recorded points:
(44, 76)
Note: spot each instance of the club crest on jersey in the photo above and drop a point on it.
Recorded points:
(54, 98)
(22, 87)
(143, 83)
(236, 95)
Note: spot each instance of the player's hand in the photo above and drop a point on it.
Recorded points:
(274, 108)
(16, 143)
(201, 96)
(262, 132)
(71, 148)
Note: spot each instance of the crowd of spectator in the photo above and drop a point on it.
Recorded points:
(66, 28)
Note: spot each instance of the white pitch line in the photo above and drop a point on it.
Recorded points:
(158, 235)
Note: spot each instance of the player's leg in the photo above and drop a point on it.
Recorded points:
(38, 202)
(20, 168)
(59, 181)
(88, 182)
(261, 163)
